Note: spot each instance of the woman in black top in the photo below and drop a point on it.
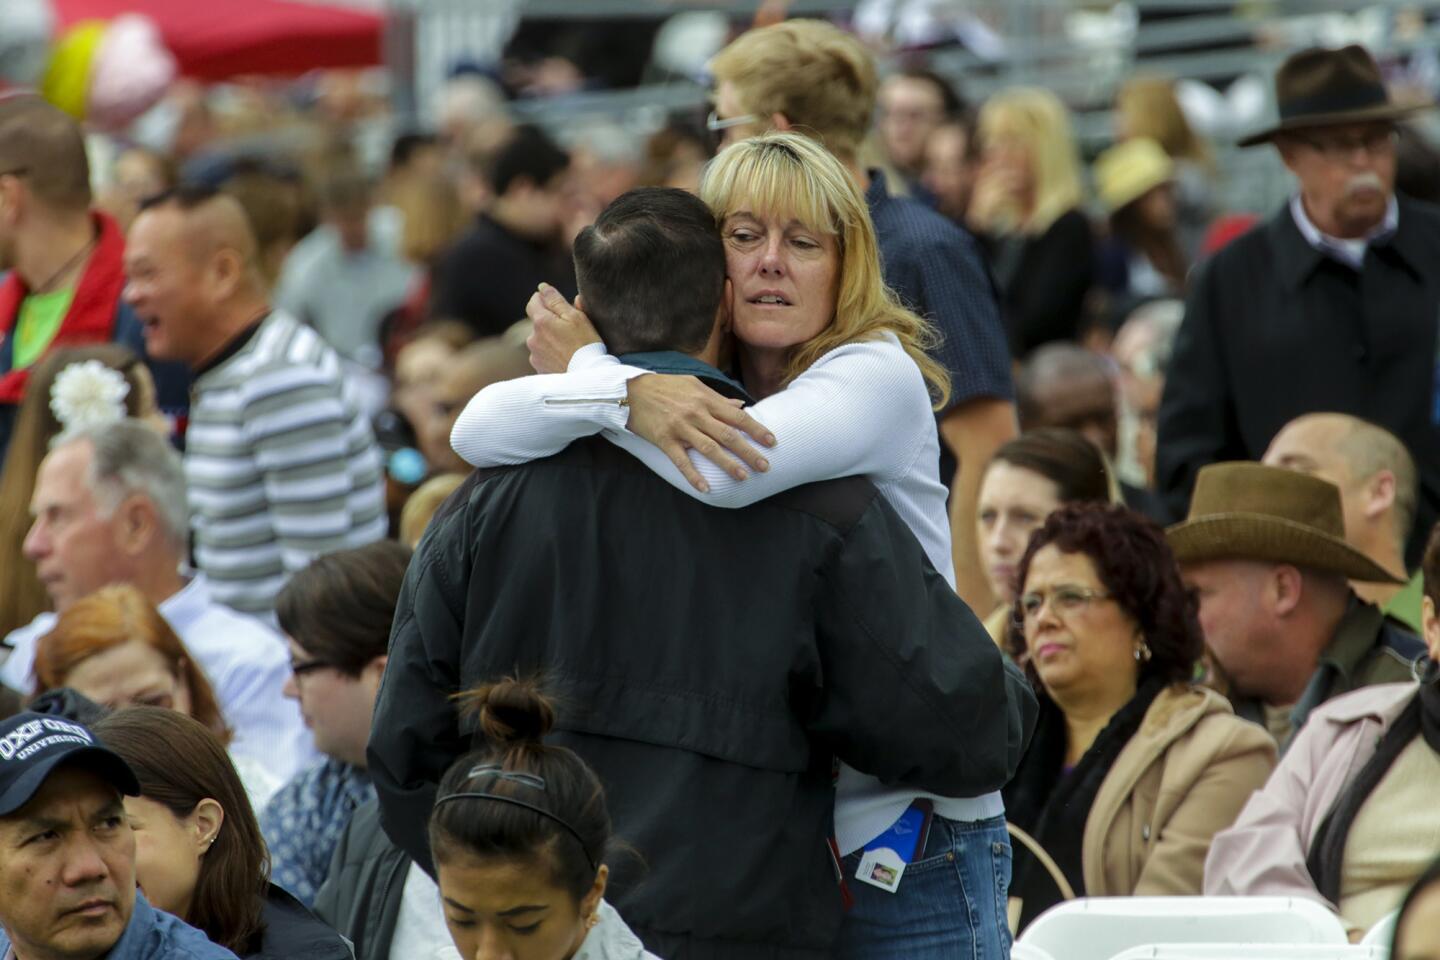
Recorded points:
(1026, 211)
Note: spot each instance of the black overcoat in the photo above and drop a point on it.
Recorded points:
(1274, 329)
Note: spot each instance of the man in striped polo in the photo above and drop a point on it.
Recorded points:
(280, 461)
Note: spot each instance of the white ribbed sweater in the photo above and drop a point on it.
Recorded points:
(860, 410)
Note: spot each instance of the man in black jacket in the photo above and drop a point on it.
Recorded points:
(1330, 306)
(712, 666)
(486, 277)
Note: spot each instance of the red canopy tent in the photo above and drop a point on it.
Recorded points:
(218, 39)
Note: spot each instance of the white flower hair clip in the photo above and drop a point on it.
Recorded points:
(88, 394)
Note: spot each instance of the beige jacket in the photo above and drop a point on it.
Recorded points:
(1183, 777)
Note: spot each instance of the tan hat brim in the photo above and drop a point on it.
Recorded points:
(1390, 111)
(1255, 536)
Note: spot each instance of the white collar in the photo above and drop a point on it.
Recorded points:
(1348, 252)
(186, 605)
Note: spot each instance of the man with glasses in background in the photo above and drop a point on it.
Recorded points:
(1330, 306)
(336, 615)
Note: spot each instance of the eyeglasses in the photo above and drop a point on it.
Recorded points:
(310, 666)
(1341, 149)
(1064, 600)
(714, 124)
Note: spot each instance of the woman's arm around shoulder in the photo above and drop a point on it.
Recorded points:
(861, 410)
(528, 418)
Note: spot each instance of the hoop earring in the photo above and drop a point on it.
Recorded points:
(1142, 653)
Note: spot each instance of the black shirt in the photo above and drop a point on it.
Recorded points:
(486, 279)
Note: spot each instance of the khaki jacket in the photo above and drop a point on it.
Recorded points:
(1183, 777)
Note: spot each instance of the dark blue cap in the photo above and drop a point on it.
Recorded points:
(33, 745)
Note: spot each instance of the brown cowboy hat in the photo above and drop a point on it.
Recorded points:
(1320, 87)
(1248, 511)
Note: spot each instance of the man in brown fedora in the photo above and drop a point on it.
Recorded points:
(1264, 548)
(1331, 305)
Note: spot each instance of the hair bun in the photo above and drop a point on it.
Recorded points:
(514, 712)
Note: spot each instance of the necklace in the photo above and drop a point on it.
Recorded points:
(64, 269)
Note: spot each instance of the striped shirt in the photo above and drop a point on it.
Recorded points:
(281, 464)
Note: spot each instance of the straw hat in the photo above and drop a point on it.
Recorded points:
(1319, 87)
(1129, 170)
(1248, 511)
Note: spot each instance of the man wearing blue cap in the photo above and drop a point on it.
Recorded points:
(67, 853)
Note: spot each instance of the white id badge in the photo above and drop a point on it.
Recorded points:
(885, 858)
(881, 867)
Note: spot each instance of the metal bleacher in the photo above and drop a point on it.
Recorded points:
(1081, 50)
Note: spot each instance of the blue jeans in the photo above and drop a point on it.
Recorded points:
(951, 904)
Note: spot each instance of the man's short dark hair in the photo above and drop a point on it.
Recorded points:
(952, 104)
(652, 271)
(340, 608)
(529, 153)
(407, 145)
(44, 145)
(186, 196)
(346, 190)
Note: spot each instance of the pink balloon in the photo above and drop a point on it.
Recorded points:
(131, 72)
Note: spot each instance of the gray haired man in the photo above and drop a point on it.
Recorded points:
(109, 507)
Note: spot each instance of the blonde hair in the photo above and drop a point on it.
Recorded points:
(420, 508)
(433, 218)
(821, 78)
(1039, 121)
(1148, 107)
(793, 176)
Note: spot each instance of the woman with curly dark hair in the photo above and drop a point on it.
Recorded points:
(1132, 768)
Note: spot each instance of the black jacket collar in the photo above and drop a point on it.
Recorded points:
(1295, 259)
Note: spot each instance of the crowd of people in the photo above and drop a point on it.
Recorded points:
(827, 538)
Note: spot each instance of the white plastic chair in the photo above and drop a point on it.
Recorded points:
(1097, 928)
(1023, 951)
(1254, 951)
(1383, 932)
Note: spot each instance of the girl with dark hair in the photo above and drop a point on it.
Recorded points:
(1132, 768)
(1417, 928)
(1025, 481)
(1349, 817)
(519, 833)
(198, 850)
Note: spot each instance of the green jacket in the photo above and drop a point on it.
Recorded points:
(1367, 648)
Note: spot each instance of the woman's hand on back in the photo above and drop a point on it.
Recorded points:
(560, 330)
(678, 414)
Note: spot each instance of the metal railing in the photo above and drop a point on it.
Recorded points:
(1040, 48)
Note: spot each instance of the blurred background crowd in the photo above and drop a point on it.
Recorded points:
(403, 176)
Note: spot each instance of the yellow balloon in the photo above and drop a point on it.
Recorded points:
(67, 76)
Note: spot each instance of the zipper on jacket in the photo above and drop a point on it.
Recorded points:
(622, 402)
